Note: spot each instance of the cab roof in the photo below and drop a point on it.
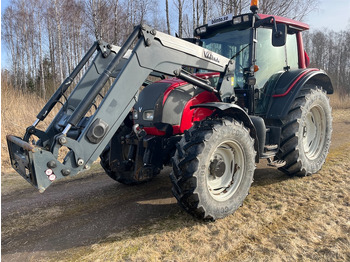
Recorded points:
(290, 22)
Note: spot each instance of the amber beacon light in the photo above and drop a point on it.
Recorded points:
(254, 6)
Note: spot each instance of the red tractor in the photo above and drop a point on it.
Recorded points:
(238, 92)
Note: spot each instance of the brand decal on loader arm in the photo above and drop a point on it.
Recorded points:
(209, 55)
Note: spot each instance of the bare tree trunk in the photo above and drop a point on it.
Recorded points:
(180, 5)
(94, 8)
(9, 34)
(205, 11)
(51, 49)
(197, 21)
(42, 73)
(194, 14)
(59, 39)
(24, 79)
(116, 27)
(167, 16)
(24, 75)
(235, 8)
(25, 55)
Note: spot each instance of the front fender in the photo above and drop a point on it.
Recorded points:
(288, 86)
(237, 113)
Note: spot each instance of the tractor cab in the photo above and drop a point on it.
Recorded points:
(262, 47)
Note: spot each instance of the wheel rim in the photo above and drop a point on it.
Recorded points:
(226, 169)
(314, 130)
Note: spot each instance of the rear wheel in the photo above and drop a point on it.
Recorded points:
(213, 168)
(306, 133)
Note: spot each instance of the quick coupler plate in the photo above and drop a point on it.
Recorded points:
(31, 162)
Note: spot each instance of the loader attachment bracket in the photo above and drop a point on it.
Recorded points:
(35, 164)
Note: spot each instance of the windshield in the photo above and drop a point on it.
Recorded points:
(228, 43)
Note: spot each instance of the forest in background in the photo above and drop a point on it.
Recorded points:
(47, 38)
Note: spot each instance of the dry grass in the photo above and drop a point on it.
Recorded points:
(339, 101)
(18, 111)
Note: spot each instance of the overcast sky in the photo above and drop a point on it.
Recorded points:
(332, 14)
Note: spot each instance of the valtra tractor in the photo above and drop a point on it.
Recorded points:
(238, 92)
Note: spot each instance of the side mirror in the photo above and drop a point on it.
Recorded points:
(279, 35)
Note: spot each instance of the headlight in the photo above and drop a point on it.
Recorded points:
(237, 20)
(201, 30)
(246, 18)
(148, 115)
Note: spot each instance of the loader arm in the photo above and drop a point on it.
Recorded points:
(87, 136)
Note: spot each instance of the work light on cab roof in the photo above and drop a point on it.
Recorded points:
(254, 6)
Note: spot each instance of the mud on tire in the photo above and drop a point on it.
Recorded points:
(306, 133)
(213, 168)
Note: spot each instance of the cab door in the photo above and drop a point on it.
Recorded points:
(272, 62)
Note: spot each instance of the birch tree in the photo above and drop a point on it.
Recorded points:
(167, 16)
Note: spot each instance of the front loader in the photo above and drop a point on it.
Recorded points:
(238, 92)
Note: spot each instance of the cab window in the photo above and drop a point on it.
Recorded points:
(292, 51)
(269, 59)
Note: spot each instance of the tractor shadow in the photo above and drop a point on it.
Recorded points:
(265, 176)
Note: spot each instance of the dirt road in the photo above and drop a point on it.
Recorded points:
(76, 213)
(88, 209)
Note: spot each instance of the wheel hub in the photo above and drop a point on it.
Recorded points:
(225, 170)
(217, 167)
(313, 132)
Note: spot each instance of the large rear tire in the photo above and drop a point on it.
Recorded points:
(306, 133)
(213, 168)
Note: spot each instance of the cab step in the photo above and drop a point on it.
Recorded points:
(271, 147)
(276, 163)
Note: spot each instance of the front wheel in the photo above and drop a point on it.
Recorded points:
(213, 168)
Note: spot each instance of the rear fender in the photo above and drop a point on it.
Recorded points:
(288, 87)
(237, 113)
